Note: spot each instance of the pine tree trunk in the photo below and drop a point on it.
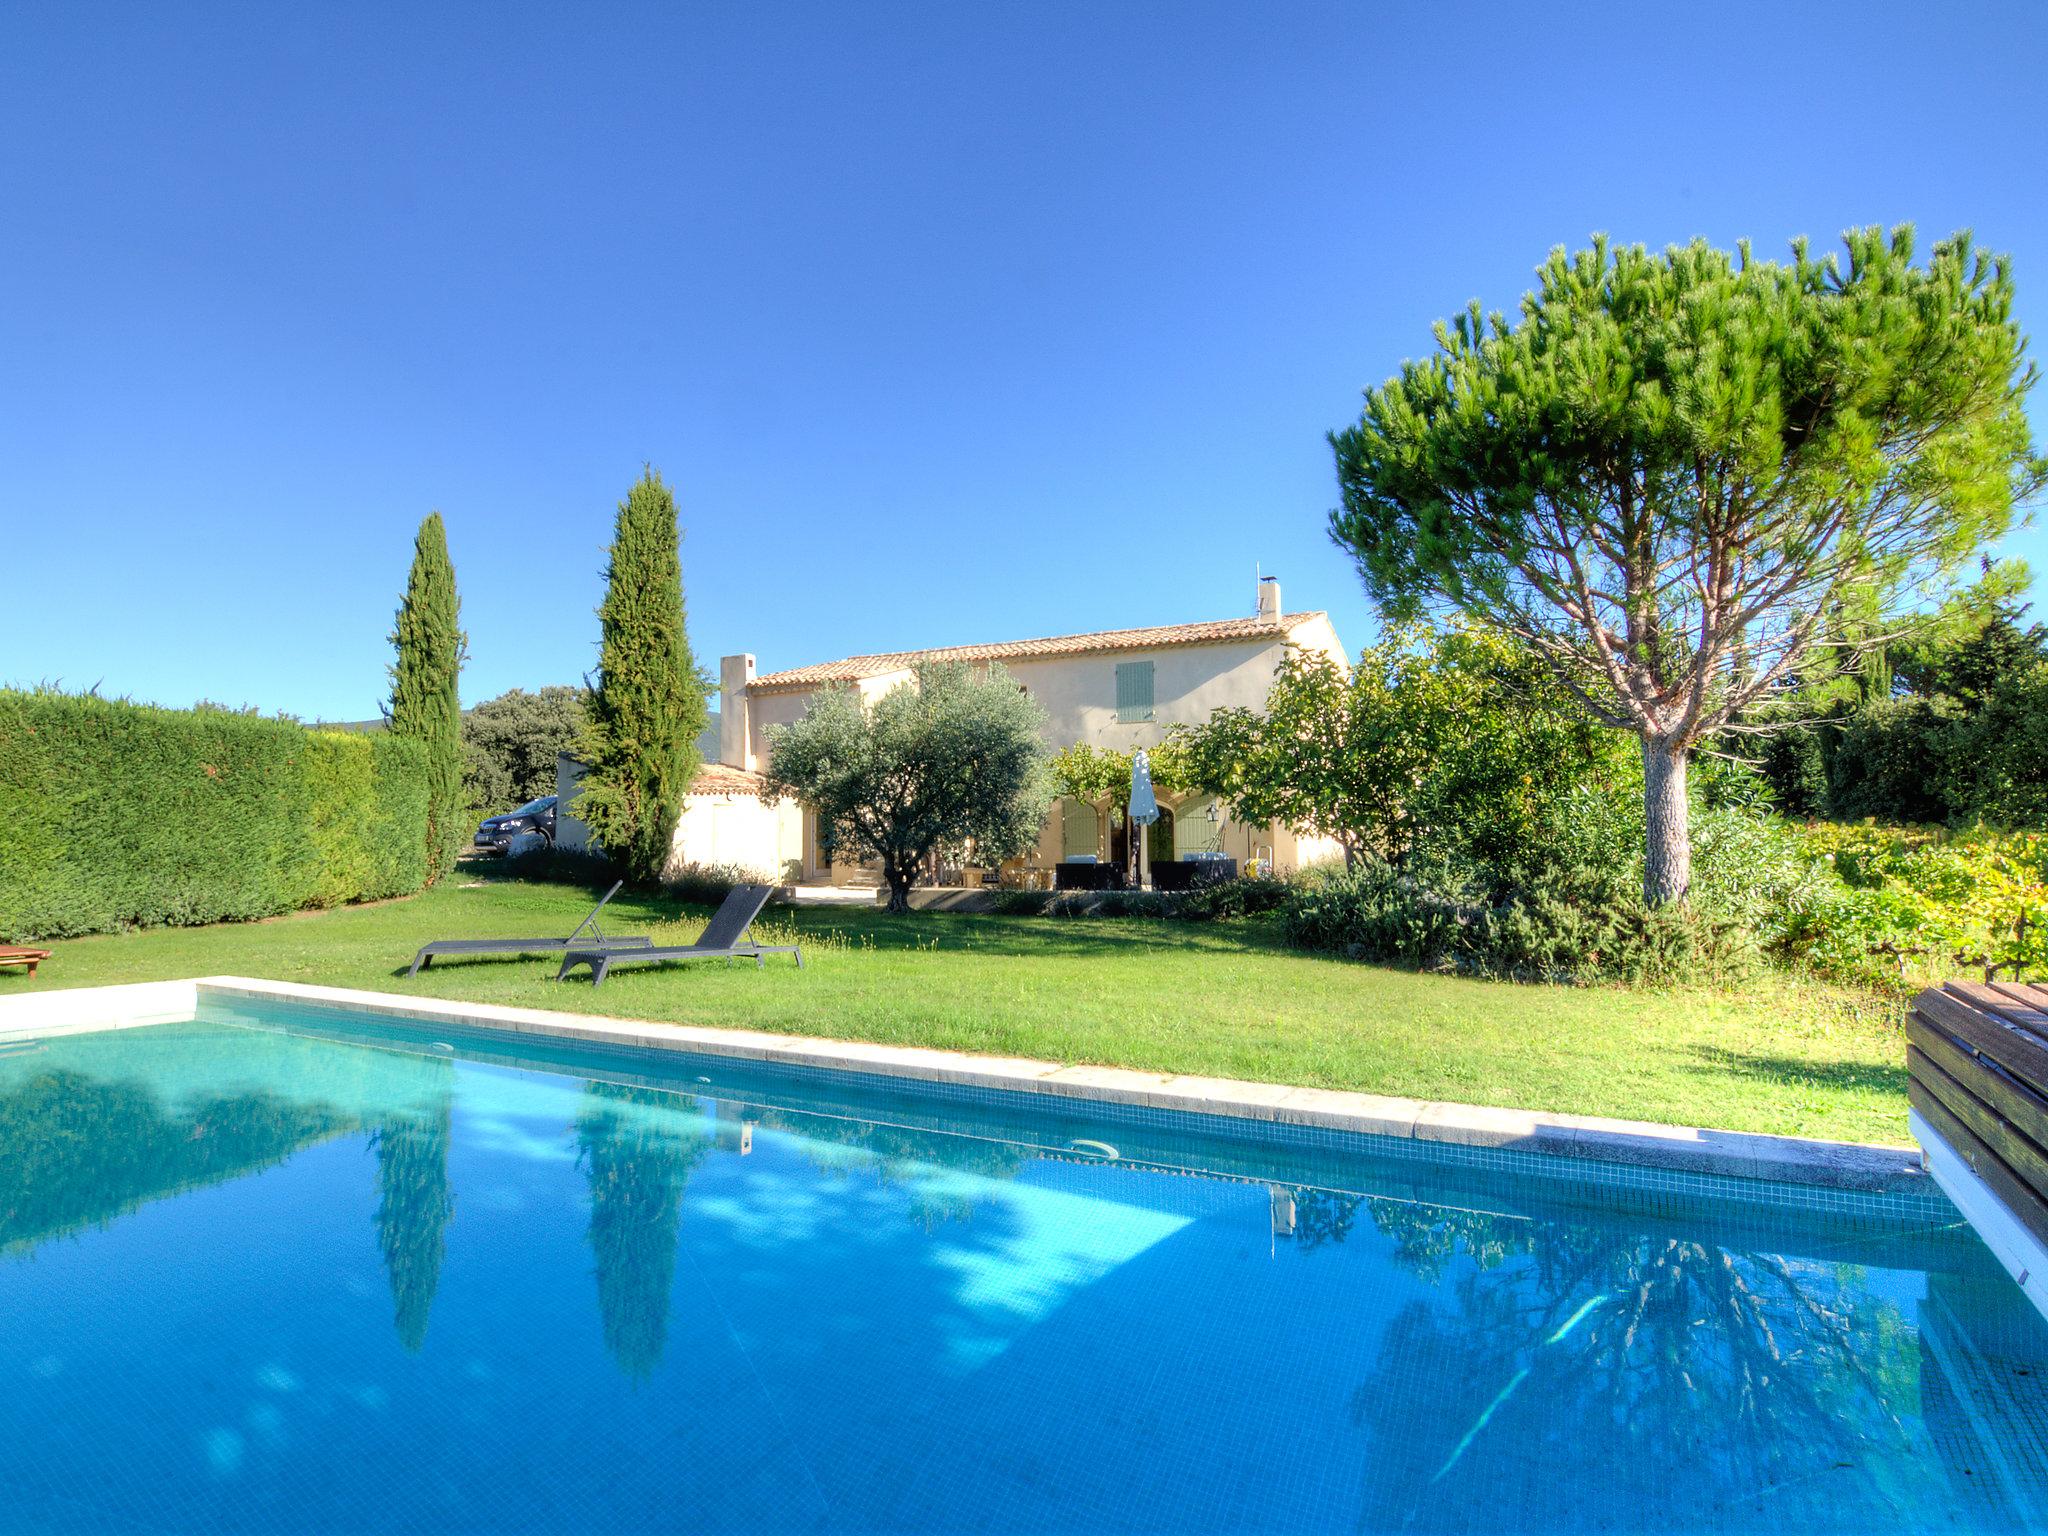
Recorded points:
(1667, 852)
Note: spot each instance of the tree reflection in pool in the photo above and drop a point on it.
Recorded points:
(282, 1269)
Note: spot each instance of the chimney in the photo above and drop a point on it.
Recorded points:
(1269, 599)
(735, 713)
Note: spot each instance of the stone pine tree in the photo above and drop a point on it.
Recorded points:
(1672, 475)
(425, 701)
(647, 704)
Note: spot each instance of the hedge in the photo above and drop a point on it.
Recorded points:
(116, 815)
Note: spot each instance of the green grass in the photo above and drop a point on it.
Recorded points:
(1220, 999)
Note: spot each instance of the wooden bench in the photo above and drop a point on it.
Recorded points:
(21, 954)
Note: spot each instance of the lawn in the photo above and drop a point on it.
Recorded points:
(1222, 999)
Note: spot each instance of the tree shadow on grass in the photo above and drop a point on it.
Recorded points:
(1840, 1076)
(1037, 937)
(982, 933)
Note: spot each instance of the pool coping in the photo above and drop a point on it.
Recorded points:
(1648, 1144)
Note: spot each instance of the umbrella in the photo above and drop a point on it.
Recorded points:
(1144, 807)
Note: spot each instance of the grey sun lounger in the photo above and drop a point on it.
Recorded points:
(724, 938)
(594, 940)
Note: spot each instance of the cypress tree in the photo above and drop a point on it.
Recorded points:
(637, 1153)
(415, 1201)
(648, 703)
(425, 703)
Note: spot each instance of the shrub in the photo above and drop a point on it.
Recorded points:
(1890, 760)
(1116, 903)
(124, 814)
(394, 816)
(1412, 916)
(1795, 766)
(706, 885)
(510, 743)
(1754, 872)
(694, 885)
(1023, 903)
(1244, 896)
(369, 808)
(1918, 903)
(1568, 922)
(560, 866)
(2005, 748)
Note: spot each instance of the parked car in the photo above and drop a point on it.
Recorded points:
(497, 834)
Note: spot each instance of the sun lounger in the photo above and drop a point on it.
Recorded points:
(21, 954)
(724, 938)
(593, 940)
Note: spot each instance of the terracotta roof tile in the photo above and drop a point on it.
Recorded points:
(1212, 632)
(718, 779)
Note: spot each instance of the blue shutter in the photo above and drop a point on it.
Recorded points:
(1133, 691)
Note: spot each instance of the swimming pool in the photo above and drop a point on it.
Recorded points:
(283, 1268)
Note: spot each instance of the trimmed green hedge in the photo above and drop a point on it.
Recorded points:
(115, 815)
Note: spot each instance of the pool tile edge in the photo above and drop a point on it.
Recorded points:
(84, 1010)
(1686, 1149)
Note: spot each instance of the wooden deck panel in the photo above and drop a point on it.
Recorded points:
(1977, 1073)
(1986, 1116)
(2027, 1207)
(2019, 1051)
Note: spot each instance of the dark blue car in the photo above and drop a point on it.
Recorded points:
(497, 832)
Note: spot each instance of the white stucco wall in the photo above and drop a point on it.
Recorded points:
(764, 836)
(569, 832)
(1189, 683)
(1078, 694)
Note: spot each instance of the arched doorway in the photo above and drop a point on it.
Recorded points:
(1158, 841)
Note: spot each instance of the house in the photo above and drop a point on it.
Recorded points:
(1119, 689)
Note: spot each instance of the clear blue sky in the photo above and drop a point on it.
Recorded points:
(948, 322)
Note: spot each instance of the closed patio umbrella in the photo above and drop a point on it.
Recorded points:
(1143, 811)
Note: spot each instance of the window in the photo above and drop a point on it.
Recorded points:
(1133, 691)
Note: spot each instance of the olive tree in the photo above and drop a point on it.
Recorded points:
(1671, 475)
(948, 762)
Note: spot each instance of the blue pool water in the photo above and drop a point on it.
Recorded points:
(278, 1270)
